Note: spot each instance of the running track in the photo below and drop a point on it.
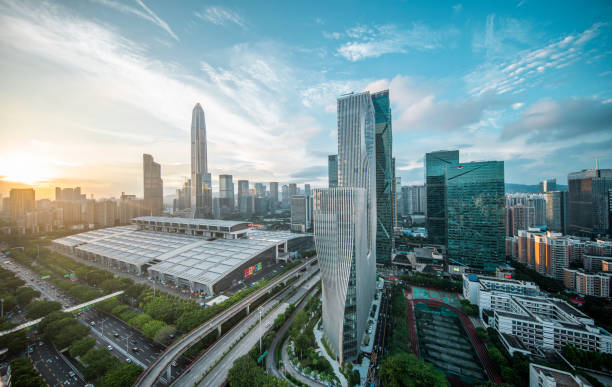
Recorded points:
(481, 349)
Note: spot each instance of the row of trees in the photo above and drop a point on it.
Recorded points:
(23, 373)
(14, 294)
(430, 281)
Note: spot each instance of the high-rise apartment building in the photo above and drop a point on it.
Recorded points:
(332, 170)
(201, 181)
(68, 194)
(23, 200)
(588, 201)
(548, 185)
(436, 164)
(153, 186)
(301, 213)
(274, 195)
(519, 217)
(419, 199)
(385, 177)
(556, 211)
(345, 229)
(475, 214)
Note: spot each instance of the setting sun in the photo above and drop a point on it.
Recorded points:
(22, 168)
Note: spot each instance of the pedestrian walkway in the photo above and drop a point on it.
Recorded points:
(321, 350)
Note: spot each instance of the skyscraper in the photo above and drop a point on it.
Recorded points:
(245, 202)
(475, 214)
(556, 211)
(274, 195)
(332, 170)
(436, 164)
(292, 190)
(301, 213)
(260, 190)
(548, 185)
(385, 177)
(23, 200)
(201, 182)
(285, 196)
(345, 229)
(226, 195)
(307, 191)
(588, 201)
(153, 186)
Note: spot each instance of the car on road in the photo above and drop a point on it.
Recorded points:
(72, 374)
(116, 334)
(40, 343)
(128, 360)
(110, 347)
(174, 364)
(93, 323)
(135, 349)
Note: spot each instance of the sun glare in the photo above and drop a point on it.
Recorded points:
(26, 170)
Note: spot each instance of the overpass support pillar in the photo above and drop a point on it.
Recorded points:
(169, 373)
(219, 329)
(248, 309)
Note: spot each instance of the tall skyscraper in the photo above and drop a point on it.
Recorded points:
(285, 196)
(345, 229)
(332, 170)
(201, 181)
(436, 164)
(419, 199)
(226, 195)
(274, 195)
(153, 186)
(292, 189)
(245, 202)
(556, 211)
(385, 175)
(260, 190)
(588, 201)
(307, 191)
(23, 200)
(475, 214)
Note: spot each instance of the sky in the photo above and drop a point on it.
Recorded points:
(88, 86)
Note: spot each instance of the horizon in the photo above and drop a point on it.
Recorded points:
(116, 80)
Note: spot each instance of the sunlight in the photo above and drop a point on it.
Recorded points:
(25, 169)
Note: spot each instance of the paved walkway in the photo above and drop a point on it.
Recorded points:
(481, 349)
(289, 367)
(321, 350)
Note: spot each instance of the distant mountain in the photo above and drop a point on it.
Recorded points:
(525, 188)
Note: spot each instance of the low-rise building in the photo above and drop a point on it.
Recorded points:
(542, 376)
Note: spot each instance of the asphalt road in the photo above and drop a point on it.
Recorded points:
(219, 374)
(158, 368)
(53, 368)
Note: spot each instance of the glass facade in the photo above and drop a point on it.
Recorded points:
(436, 164)
(587, 201)
(475, 200)
(332, 170)
(385, 176)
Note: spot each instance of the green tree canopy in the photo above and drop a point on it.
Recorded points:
(406, 369)
(82, 346)
(42, 308)
(123, 376)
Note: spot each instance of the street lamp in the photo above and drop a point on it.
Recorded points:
(127, 343)
(2, 307)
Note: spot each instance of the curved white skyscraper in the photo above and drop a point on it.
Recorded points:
(201, 182)
(345, 229)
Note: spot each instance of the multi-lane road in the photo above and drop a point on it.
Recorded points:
(218, 374)
(150, 375)
(52, 366)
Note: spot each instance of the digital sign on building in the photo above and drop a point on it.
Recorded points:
(249, 271)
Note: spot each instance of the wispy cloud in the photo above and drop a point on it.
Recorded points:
(144, 13)
(374, 41)
(517, 71)
(221, 16)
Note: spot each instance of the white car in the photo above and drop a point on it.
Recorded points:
(110, 347)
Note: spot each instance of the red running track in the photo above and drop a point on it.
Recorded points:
(481, 349)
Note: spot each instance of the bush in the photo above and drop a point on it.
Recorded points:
(151, 328)
(82, 346)
(140, 320)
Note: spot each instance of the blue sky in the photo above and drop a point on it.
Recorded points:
(90, 85)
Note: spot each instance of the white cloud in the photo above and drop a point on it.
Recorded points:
(375, 41)
(221, 16)
(457, 7)
(515, 71)
(146, 13)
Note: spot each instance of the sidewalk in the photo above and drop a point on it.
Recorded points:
(321, 350)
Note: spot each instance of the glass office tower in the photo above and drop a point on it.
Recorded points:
(332, 170)
(345, 229)
(475, 199)
(385, 177)
(436, 164)
(201, 181)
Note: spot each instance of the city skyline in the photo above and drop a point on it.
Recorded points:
(270, 117)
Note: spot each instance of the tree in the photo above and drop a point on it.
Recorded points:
(160, 308)
(245, 372)
(42, 308)
(140, 320)
(25, 294)
(82, 346)
(191, 319)
(23, 373)
(151, 328)
(122, 376)
(165, 335)
(407, 370)
(111, 285)
(15, 342)
(99, 362)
